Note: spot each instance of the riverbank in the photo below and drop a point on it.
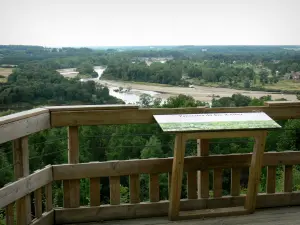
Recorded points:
(200, 93)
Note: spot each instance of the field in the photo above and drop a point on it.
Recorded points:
(4, 73)
(287, 85)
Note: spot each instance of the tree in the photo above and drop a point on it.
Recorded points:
(247, 83)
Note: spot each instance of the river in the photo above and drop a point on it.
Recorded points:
(132, 91)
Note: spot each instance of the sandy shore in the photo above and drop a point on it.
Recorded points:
(199, 92)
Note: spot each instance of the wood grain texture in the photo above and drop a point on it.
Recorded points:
(24, 127)
(38, 204)
(217, 183)
(164, 165)
(271, 179)
(192, 185)
(154, 187)
(114, 187)
(49, 197)
(177, 175)
(145, 116)
(9, 214)
(255, 171)
(160, 209)
(24, 186)
(288, 179)
(134, 185)
(95, 191)
(235, 182)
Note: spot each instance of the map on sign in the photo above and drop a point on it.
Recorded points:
(215, 122)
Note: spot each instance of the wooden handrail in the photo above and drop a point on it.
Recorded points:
(164, 165)
(145, 116)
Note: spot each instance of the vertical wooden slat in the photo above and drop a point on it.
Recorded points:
(217, 183)
(271, 179)
(169, 183)
(9, 214)
(38, 203)
(192, 184)
(72, 187)
(255, 171)
(203, 176)
(114, 184)
(94, 191)
(235, 182)
(134, 185)
(21, 169)
(288, 178)
(49, 198)
(177, 175)
(154, 187)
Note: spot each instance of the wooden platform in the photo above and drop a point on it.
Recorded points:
(275, 216)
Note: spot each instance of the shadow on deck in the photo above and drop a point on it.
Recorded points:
(275, 216)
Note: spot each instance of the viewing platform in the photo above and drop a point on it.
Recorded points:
(29, 199)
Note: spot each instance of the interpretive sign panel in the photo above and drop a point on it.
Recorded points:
(215, 121)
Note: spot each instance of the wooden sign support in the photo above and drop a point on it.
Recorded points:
(205, 127)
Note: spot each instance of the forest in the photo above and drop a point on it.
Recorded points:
(35, 82)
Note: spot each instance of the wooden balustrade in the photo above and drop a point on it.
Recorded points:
(15, 197)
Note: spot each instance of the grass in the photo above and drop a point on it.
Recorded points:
(287, 85)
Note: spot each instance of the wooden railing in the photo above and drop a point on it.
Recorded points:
(17, 127)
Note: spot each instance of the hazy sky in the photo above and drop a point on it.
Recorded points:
(151, 22)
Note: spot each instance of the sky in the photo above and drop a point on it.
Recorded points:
(76, 23)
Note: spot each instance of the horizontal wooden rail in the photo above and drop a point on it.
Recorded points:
(154, 209)
(87, 116)
(164, 165)
(24, 123)
(20, 188)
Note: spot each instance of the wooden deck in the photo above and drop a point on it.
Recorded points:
(275, 216)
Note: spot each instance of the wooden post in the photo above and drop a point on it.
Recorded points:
(154, 187)
(192, 185)
(271, 179)
(21, 169)
(203, 176)
(177, 174)
(72, 187)
(255, 171)
(134, 185)
(95, 191)
(235, 182)
(288, 178)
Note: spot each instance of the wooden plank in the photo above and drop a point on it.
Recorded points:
(21, 169)
(154, 187)
(177, 175)
(255, 171)
(23, 127)
(66, 190)
(134, 185)
(38, 203)
(95, 191)
(206, 213)
(89, 107)
(145, 116)
(169, 184)
(24, 186)
(160, 209)
(49, 198)
(9, 214)
(288, 178)
(235, 182)
(203, 175)
(47, 218)
(73, 187)
(282, 103)
(114, 188)
(22, 115)
(271, 179)
(218, 183)
(147, 166)
(192, 185)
